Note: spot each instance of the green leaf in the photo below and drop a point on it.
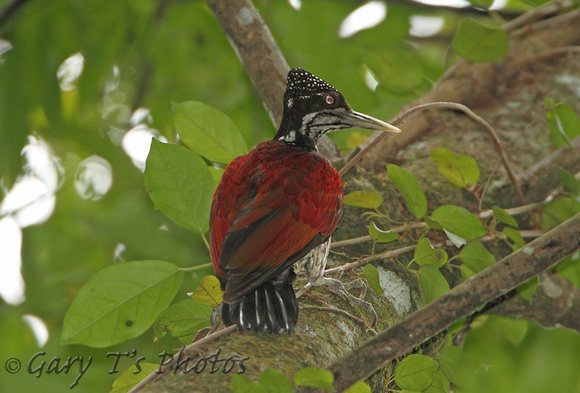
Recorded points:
(459, 169)
(208, 292)
(481, 3)
(457, 326)
(459, 221)
(564, 124)
(431, 223)
(208, 131)
(243, 384)
(476, 256)
(372, 275)
(570, 268)
(527, 289)
(380, 236)
(559, 210)
(440, 384)
(502, 216)
(515, 236)
(394, 68)
(456, 365)
(466, 272)
(120, 302)
(179, 184)
(514, 330)
(367, 200)
(432, 283)
(479, 43)
(416, 372)
(216, 174)
(313, 377)
(276, 382)
(409, 189)
(457, 241)
(132, 376)
(183, 319)
(425, 254)
(569, 181)
(359, 387)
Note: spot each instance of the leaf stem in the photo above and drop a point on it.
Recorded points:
(205, 240)
(194, 268)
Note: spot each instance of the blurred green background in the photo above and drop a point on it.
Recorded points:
(85, 84)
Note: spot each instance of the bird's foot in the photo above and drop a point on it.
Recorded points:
(215, 315)
(339, 288)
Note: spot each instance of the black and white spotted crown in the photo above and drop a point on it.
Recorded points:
(300, 80)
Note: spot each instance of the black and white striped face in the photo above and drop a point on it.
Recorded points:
(313, 107)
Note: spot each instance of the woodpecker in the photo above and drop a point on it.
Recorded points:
(278, 205)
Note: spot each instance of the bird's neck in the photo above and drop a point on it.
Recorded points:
(297, 134)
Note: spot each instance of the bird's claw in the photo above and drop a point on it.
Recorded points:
(337, 287)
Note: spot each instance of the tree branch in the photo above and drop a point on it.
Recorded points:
(259, 54)
(256, 49)
(506, 274)
(10, 10)
(464, 81)
(555, 303)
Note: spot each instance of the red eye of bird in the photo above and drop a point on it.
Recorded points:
(329, 99)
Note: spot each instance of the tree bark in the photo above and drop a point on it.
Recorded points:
(256, 49)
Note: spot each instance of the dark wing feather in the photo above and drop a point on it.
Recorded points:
(278, 202)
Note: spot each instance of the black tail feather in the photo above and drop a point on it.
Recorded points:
(271, 307)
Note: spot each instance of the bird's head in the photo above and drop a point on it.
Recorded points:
(313, 107)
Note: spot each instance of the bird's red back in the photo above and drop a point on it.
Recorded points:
(272, 206)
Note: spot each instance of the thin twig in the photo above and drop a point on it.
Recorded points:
(536, 14)
(486, 186)
(513, 211)
(548, 53)
(337, 310)
(541, 24)
(403, 250)
(491, 132)
(160, 371)
(10, 10)
(448, 105)
(367, 238)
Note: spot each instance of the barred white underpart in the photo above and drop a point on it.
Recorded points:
(313, 264)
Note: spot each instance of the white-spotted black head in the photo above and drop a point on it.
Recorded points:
(313, 107)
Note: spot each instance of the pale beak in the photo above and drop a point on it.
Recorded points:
(360, 120)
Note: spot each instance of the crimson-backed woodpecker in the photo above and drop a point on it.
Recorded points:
(278, 205)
